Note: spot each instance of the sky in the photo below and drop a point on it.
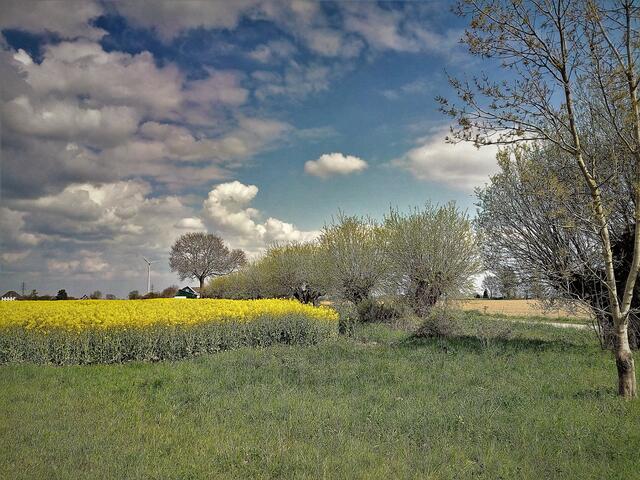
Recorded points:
(127, 124)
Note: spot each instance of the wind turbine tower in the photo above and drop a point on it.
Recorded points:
(148, 274)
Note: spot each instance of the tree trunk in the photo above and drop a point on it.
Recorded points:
(625, 364)
(201, 292)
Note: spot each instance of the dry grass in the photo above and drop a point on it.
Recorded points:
(521, 308)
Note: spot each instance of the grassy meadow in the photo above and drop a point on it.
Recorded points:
(525, 309)
(528, 402)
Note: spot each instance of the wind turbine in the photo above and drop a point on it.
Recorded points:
(148, 274)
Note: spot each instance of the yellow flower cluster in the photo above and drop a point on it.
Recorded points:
(79, 315)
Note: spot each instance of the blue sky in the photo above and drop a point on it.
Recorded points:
(126, 124)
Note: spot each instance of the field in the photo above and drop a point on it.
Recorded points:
(538, 403)
(523, 309)
(113, 331)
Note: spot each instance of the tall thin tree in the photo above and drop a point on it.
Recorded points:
(564, 59)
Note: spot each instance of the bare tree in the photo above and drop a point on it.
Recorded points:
(565, 60)
(356, 255)
(491, 284)
(202, 255)
(431, 253)
(529, 221)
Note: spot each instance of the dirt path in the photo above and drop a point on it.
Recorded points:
(579, 326)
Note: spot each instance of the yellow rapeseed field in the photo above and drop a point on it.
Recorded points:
(114, 331)
(78, 315)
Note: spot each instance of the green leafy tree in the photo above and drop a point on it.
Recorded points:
(356, 257)
(431, 253)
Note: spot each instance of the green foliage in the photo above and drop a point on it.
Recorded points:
(440, 323)
(62, 295)
(296, 270)
(373, 310)
(134, 295)
(431, 253)
(355, 257)
(249, 283)
(169, 292)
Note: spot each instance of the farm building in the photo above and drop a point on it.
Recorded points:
(10, 295)
(187, 292)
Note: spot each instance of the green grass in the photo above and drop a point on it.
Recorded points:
(539, 403)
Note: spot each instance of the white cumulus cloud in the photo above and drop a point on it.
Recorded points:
(331, 164)
(228, 211)
(461, 166)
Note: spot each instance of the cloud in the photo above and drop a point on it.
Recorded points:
(273, 51)
(220, 87)
(169, 18)
(86, 115)
(296, 80)
(67, 120)
(190, 223)
(304, 20)
(461, 166)
(12, 227)
(228, 210)
(88, 263)
(54, 16)
(83, 68)
(416, 87)
(381, 28)
(331, 164)
(93, 231)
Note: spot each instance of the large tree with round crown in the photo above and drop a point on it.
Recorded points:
(200, 255)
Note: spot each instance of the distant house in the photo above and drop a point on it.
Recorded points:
(187, 292)
(10, 295)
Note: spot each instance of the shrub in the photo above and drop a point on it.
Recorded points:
(371, 310)
(347, 317)
(440, 323)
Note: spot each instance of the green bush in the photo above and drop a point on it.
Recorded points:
(440, 323)
(155, 343)
(371, 310)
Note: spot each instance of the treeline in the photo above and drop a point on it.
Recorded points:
(62, 294)
(412, 259)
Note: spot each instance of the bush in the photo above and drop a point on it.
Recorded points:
(347, 317)
(445, 323)
(440, 323)
(371, 310)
